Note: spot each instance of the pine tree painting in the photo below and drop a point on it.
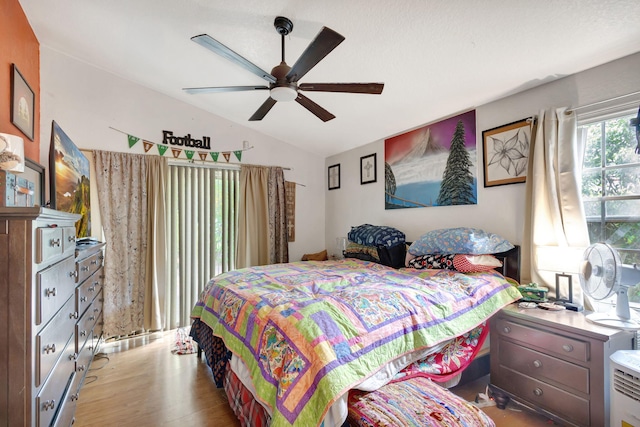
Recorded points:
(434, 165)
(457, 180)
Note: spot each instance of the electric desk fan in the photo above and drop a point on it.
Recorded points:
(601, 275)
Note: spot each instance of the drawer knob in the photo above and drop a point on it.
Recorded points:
(73, 315)
(81, 368)
(92, 318)
(83, 299)
(84, 268)
(71, 239)
(537, 392)
(50, 348)
(54, 243)
(74, 397)
(83, 333)
(73, 356)
(506, 329)
(537, 364)
(91, 289)
(50, 292)
(94, 262)
(73, 274)
(49, 404)
(567, 347)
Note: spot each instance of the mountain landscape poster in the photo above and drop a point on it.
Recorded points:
(435, 165)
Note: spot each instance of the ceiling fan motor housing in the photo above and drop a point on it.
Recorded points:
(283, 25)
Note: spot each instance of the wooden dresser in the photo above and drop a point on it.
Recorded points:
(556, 363)
(43, 329)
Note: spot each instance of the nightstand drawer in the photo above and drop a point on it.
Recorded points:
(565, 347)
(543, 395)
(543, 367)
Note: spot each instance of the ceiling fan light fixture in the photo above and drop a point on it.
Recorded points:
(283, 93)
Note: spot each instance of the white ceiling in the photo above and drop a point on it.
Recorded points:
(435, 57)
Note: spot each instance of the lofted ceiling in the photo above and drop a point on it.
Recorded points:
(436, 58)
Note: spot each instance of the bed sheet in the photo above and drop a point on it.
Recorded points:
(308, 332)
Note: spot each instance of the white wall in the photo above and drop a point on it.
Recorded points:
(86, 102)
(499, 209)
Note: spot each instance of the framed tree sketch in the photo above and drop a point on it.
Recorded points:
(506, 153)
(368, 169)
(334, 176)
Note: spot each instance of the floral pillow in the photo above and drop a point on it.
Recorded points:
(458, 262)
(433, 262)
(460, 240)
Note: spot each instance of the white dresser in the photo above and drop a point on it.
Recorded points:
(44, 319)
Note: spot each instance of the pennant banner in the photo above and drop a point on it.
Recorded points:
(132, 140)
(189, 154)
(214, 155)
(203, 155)
(162, 149)
(147, 145)
(176, 152)
(226, 155)
(238, 154)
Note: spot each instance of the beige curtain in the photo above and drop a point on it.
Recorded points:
(556, 221)
(262, 228)
(122, 189)
(157, 256)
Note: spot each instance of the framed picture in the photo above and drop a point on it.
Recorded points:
(34, 172)
(368, 169)
(506, 153)
(334, 177)
(22, 103)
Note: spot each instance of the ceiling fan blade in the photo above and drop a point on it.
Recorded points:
(371, 88)
(216, 47)
(199, 90)
(320, 112)
(263, 110)
(325, 42)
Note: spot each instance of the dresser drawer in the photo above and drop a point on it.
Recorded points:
(565, 347)
(53, 242)
(54, 285)
(543, 395)
(82, 366)
(544, 367)
(86, 293)
(84, 326)
(88, 266)
(52, 340)
(51, 395)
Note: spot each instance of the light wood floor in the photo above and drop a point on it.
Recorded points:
(139, 382)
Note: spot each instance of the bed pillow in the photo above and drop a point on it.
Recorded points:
(433, 262)
(376, 235)
(475, 263)
(458, 262)
(460, 240)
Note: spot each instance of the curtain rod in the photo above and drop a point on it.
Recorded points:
(593, 104)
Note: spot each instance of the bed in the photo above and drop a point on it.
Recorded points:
(289, 341)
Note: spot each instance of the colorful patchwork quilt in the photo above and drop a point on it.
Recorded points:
(310, 331)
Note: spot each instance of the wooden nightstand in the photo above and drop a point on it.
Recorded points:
(554, 362)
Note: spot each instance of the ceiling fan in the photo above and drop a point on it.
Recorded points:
(283, 80)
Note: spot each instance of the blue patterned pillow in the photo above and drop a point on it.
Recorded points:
(376, 235)
(461, 240)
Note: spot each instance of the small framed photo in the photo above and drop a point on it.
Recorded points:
(34, 172)
(506, 153)
(368, 169)
(22, 103)
(334, 177)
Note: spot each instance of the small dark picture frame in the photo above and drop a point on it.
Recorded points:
(34, 172)
(22, 103)
(368, 169)
(334, 176)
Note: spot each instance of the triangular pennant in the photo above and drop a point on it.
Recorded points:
(238, 154)
(226, 155)
(189, 154)
(147, 145)
(132, 140)
(176, 152)
(214, 155)
(203, 155)
(162, 149)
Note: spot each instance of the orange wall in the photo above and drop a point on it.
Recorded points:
(18, 45)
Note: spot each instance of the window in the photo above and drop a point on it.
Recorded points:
(611, 187)
(202, 224)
